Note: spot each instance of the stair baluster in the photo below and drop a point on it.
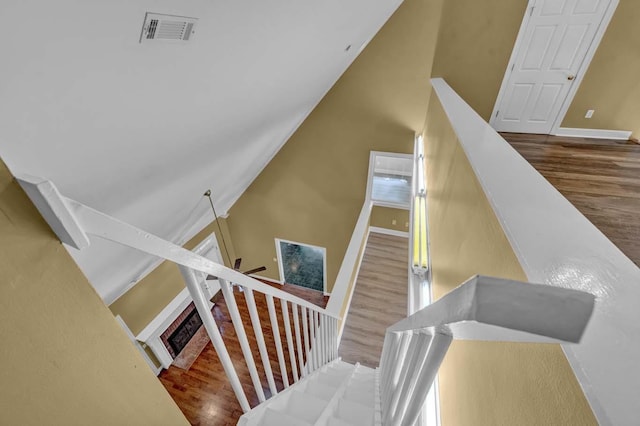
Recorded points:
(413, 399)
(210, 325)
(277, 339)
(314, 347)
(287, 331)
(296, 325)
(236, 319)
(307, 337)
(262, 347)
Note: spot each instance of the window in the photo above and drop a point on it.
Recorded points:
(390, 179)
(302, 264)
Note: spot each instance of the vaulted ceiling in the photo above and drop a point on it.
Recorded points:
(140, 131)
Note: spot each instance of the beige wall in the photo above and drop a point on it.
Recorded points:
(383, 217)
(611, 86)
(485, 383)
(153, 293)
(65, 360)
(475, 42)
(313, 190)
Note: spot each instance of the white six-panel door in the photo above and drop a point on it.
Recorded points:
(549, 53)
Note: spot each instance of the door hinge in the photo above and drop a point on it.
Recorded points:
(531, 11)
(513, 66)
(497, 112)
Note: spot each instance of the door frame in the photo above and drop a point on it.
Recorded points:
(324, 261)
(582, 70)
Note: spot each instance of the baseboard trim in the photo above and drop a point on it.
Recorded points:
(622, 135)
(386, 231)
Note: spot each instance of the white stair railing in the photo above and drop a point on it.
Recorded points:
(75, 224)
(483, 308)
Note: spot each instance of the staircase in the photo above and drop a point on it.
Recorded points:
(483, 308)
(338, 394)
(324, 390)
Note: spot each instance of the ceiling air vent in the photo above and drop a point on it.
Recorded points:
(159, 27)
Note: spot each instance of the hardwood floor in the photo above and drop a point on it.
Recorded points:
(203, 392)
(600, 177)
(379, 299)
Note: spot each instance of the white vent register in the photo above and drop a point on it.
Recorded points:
(159, 27)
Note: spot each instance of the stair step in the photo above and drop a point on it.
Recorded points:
(362, 382)
(354, 413)
(333, 380)
(362, 396)
(334, 421)
(364, 375)
(305, 406)
(340, 365)
(277, 418)
(337, 394)
(320, 390)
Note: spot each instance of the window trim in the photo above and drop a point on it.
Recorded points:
(372, 166)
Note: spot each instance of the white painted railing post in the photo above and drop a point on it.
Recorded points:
(336, 333)
(307, 351)
(412, 368)
(200, 302)
(277, 340)
(323, 341)
(287, 331)
(296, 325)
(327, 337)
(316, 321)
(411, 406)
(405, 366)
(392, 343)
(313, 364)
(396, 363)
(236, 320)
(262, 346)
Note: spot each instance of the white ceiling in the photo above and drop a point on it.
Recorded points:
(140, 131)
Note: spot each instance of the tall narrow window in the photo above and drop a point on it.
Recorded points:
(419, 249)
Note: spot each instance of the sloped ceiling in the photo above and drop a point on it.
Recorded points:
(140, 131)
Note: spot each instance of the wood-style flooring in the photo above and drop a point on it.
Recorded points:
(601, 178)
(203, 392)
(379, 299)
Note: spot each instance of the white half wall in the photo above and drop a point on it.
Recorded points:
(557, 245)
